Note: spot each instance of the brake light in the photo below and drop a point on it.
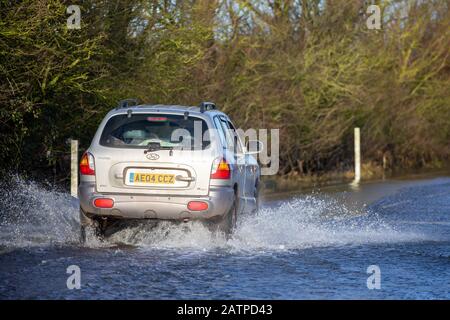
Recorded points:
(220, 169)
(103, 203)
(87, 166)
(157, 119)
(197, 205)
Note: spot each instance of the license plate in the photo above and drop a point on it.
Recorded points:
(138, 178)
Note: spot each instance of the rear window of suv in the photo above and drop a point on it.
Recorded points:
(170, 131)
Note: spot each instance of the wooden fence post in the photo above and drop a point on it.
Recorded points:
(74, 168)
(357, 155)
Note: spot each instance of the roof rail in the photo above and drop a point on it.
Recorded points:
(126, 103)
(206, 106)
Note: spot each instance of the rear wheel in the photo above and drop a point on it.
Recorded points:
(82, 234)
(228, 222)
(86, 222)
(256, 195)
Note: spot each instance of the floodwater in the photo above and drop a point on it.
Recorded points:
(316, 245)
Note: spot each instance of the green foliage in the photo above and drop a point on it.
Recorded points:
(309, 67)
(48, 77)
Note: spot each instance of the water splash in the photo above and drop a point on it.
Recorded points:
(312, 221)
(31, 215)
(165, 235)
(303, 222)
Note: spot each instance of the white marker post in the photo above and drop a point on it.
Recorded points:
(74, 168)
(357, 156)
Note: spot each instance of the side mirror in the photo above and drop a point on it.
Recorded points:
(254, 146)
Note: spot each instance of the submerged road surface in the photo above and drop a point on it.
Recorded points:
(317, 245)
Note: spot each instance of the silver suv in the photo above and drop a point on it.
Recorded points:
(166, 162)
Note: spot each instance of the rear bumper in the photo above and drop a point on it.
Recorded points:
(137, 206)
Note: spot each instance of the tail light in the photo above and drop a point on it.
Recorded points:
(220, 169)
(197, 205)
(104, 203)
(87, 166)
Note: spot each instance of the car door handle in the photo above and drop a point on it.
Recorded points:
(186, 179)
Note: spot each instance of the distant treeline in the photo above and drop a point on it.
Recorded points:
(309, 67)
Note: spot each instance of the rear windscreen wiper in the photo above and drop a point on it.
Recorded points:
(156, 146)
(153, 146)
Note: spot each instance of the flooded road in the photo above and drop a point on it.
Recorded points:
(304, 246)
